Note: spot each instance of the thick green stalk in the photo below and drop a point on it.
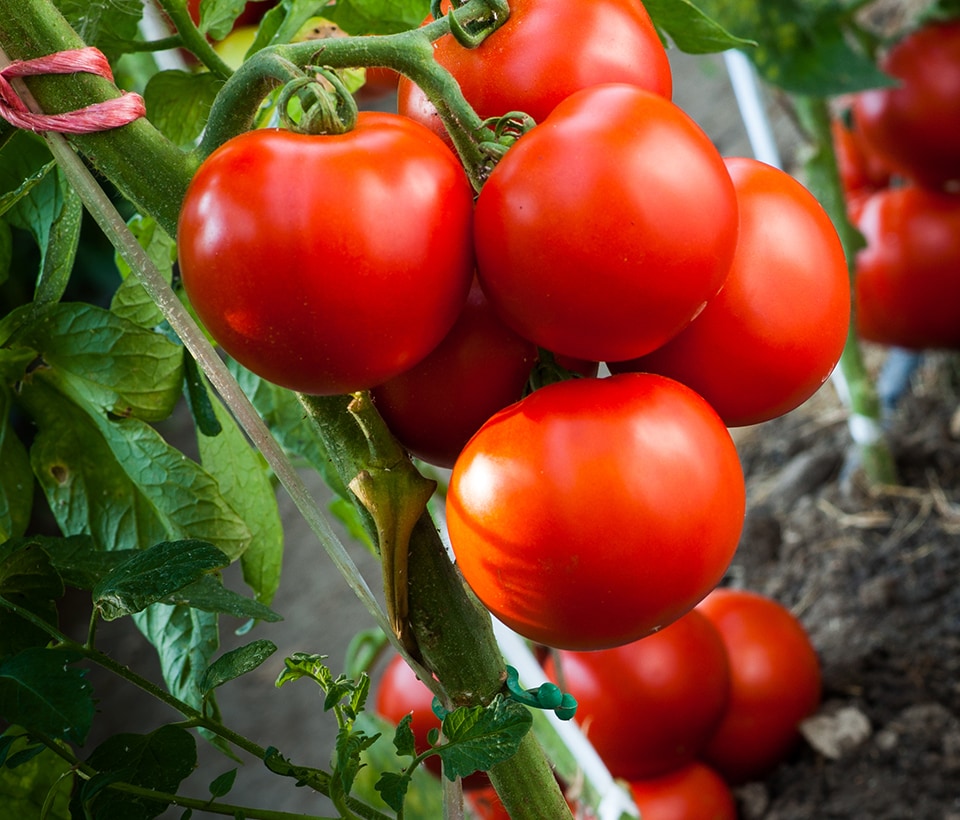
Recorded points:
(146, 167)
(823, 179)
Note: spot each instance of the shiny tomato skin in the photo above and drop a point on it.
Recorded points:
(772, 336)
(603, 231)
(595, 511)
(692, 792)
(907, 285)
(547, 50)
(914, 126)
(650, 706)
(329, 264)
(775, 683)
(401, 692)
(480, 367)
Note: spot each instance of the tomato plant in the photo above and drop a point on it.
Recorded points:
(480, 367)
(538, 58)
(584, 236)
(692, 792)
(650, 706)
(596, 511)
(861, 171)
(771, 337)
(329, 264)
(907, 284)
(774, 683)
(914, 125)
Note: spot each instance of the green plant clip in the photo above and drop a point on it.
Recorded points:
(546, 696)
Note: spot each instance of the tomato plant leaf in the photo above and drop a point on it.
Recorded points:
(28, 579)
(90, 353)
(111, 25)
(245, 482)
(690, 29)
(6, 250)
(403, 740)
(236, 662)
(77, 558)
(39, 689)
(61, 249)
(159, 760)
(152, 575)
(186, 639)
(178, 103)
(377, 16)
(222, 784)
(392, 787)
(218, 16)
(16, 480)
(34, 783)
(131, 300)
(209, 594)
(479, 737)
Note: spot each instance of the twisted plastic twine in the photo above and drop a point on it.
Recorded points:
(99, 116)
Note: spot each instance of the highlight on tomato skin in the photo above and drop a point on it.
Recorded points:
(773, 334)
(596, 511)
(649, 707)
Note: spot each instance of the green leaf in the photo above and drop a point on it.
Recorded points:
(186, 639)
(178, 102)
(210, 595)
(16, 479)
(403, 739)
(77, 558)
(131, 300)
(284, 415)
(97, 357)
(121, 482)
(110, 25)
(41, 691)
(160, 761)
(302, 665)
(245, 482)
(218, 16)
(348, 746)
(803, 47)
(235, 663)
(61, 249)
(29, 580)
(199, 399)
(479, 737)
(154, 574)
(43, 780)
(690, 29)
(6, 250)
(377, 16)
(222, 784)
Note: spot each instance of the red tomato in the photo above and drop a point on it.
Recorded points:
(596, 511)
(650, 706)
(547, 50)
(907, 281)
(479, 368)
(401, 692)
(329, 264)
(774, 683)
(603, 231)
(861, 171)
(773, 334)
(694, 792)
(914, 126)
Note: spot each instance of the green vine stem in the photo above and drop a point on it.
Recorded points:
(823, 179)
(192, 39)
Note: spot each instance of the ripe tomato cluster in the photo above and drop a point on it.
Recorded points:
(593, 511)
(899, 158)
(712, 701)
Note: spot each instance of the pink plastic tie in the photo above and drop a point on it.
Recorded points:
(99, 116)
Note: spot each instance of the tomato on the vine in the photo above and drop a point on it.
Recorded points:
(604, 230)
(545, 51)
(480, 367)
(771, 337)
(329, 264)
(914, 125)
(861, 171)
(775, 683)
(594, 512)
(650, 706)
(907, 285)
(693, 792)
(399, 693)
